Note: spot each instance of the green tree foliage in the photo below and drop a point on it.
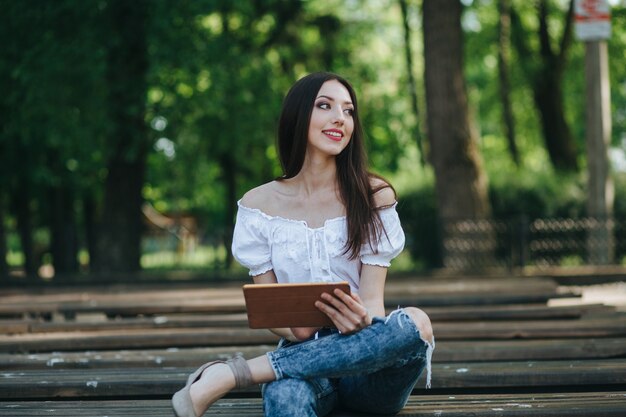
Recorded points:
(49, 125)
(216, 93)
(215, 75)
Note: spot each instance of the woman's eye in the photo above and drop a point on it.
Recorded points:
(349, 112)
(324, 106)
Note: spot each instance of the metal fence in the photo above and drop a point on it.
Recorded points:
(464, 244)
(520, 242)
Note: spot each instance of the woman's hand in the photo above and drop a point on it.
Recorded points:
(346, 311)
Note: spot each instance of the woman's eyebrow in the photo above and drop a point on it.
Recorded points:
(332, 99)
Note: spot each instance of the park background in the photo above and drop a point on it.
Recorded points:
(129, 129)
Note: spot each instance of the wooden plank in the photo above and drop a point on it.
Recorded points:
(155, 382)
(238, 320)
(235, 305)
(576, 404)
(11, 326)
(447, 351)
(515, 350)
(530, 374)
(443, 286)
(133, 339)
(437, 314)
(139, 300)
(412, 285)
(186, 337)
(133, 299)
(597, 404)
(477, 299)
(515, 312)
(127, 358)
(544, 329)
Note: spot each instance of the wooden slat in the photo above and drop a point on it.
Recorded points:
(139, 300)
(601, 327)
(437, 314)
(185, 337)
(155, 382)
(415, 285)
(11, 326)
(447, 351)
(515, 312)
(596, 404)
(133, 339)
(578, 404)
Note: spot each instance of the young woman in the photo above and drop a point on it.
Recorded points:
(326, 219)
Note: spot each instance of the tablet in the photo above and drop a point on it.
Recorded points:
(288, 305)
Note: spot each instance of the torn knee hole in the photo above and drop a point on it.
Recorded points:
(422, 321)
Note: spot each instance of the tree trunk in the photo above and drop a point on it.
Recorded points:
(409, 70)
(4, 267)
(23, 214)
(546, 81)
(504, 35)
(461, 184)
(556, 132)
(64, 238)
(119, 242)
(548, 93)
(90, 227)
(228, 167)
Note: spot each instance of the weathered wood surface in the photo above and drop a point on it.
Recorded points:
(129, 301)
(123, 350)
(206, 336)
(447, 351)
(160, 381)
(581, 404)
(436, 314)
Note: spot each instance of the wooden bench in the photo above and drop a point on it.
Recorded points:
(596, 404)
(122, 351)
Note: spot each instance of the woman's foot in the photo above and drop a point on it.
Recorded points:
(215, 382)
(209, 383)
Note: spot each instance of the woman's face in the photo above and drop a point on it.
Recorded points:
(331, 125)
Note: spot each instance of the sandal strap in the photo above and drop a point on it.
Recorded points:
(239, 366)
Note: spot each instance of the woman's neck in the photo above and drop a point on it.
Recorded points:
(317, 174)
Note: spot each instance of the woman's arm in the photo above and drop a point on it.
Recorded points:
(372, 289)
(295, 333)
(351, 313)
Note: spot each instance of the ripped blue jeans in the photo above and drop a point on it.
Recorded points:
(372, 371)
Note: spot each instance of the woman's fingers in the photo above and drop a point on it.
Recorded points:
(338, 319)
(346, 311)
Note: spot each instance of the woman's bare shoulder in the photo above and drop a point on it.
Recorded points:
(384, 194)
(257, 197)
(262, 197)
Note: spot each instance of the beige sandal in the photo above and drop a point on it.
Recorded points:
(181, 401)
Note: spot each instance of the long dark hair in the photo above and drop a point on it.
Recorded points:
(356, 191)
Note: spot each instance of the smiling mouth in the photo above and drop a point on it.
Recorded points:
(333, 135)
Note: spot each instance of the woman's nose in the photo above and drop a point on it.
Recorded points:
(339, 117)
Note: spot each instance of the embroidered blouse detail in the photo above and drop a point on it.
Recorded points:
(298, 253)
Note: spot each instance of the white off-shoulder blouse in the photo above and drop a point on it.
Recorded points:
(298, 253)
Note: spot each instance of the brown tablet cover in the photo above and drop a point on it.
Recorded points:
(288, 305)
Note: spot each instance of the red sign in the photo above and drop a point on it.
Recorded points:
(593, 19)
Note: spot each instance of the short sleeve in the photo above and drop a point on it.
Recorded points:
(391, 241)
(251, 246)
